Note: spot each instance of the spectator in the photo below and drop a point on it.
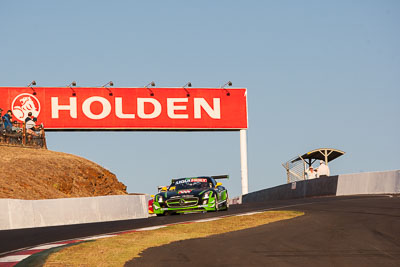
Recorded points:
(38, 128)
(1, 118)
(31, 127)
(311, 174)
(30, 117)
(7, 118)
(15, 128)
(323, 170)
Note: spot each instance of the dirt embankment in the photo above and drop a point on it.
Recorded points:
(27, 173)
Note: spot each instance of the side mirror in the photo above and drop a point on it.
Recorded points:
(172, 188)
(218, 184)
(164, 188)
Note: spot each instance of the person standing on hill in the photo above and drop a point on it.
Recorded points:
(31, 127)
(1, 118)
(15, 128)
(30, 117)
(323, 170)
(7, 118)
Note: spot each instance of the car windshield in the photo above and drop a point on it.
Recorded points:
(190, 183)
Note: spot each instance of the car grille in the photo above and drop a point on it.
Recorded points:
(182, 202)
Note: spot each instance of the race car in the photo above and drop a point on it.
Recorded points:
(192, 194)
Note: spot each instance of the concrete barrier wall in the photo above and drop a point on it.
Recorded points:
(387, 182)
(308, 188)
(15, 213)
(369, 183)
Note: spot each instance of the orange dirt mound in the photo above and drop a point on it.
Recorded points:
(28, 173)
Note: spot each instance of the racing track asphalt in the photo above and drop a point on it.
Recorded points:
(18, 239)
(355, 231)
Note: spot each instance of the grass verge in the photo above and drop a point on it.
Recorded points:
(115, 251)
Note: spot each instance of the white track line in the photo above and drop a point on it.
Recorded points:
(208, 220)
(94, 237)
(48, 246)
(150, 228)
(14, 258)
(250, 213)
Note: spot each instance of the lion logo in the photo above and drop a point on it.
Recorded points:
(23, 104)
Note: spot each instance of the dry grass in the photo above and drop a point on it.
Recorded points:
(29, 173)
(115, 251)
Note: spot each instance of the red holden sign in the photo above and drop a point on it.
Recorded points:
(64, 108)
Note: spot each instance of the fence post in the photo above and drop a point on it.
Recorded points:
(43, 138)
(23, 134)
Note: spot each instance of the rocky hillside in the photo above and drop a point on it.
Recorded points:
(28, 173)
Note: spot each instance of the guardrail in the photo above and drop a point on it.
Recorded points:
(18, 136)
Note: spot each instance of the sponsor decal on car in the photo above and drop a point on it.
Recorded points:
(199, 180)
(182, 181)
(184, 191)
(193, 180)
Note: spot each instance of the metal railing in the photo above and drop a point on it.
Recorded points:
(18, 135)
(295, 170)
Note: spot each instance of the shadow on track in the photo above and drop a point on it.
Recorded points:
(357, 231)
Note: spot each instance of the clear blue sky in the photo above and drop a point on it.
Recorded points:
(318, 73)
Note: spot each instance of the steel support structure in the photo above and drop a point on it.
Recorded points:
(243, 161)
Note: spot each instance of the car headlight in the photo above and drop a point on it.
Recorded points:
(160, 199)
(207, 195)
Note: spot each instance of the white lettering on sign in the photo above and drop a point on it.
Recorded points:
(201, 103)
(140, 108)
(172, 107)
(200, 106)
(55, 108)
(105, 104)
(118, 110)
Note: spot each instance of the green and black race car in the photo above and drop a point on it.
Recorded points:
(195, 194)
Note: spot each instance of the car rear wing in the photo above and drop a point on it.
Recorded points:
(225, 176)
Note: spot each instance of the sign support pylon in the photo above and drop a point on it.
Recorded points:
(243, 161)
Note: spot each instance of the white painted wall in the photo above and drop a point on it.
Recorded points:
(387, 182)
(15, 213)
